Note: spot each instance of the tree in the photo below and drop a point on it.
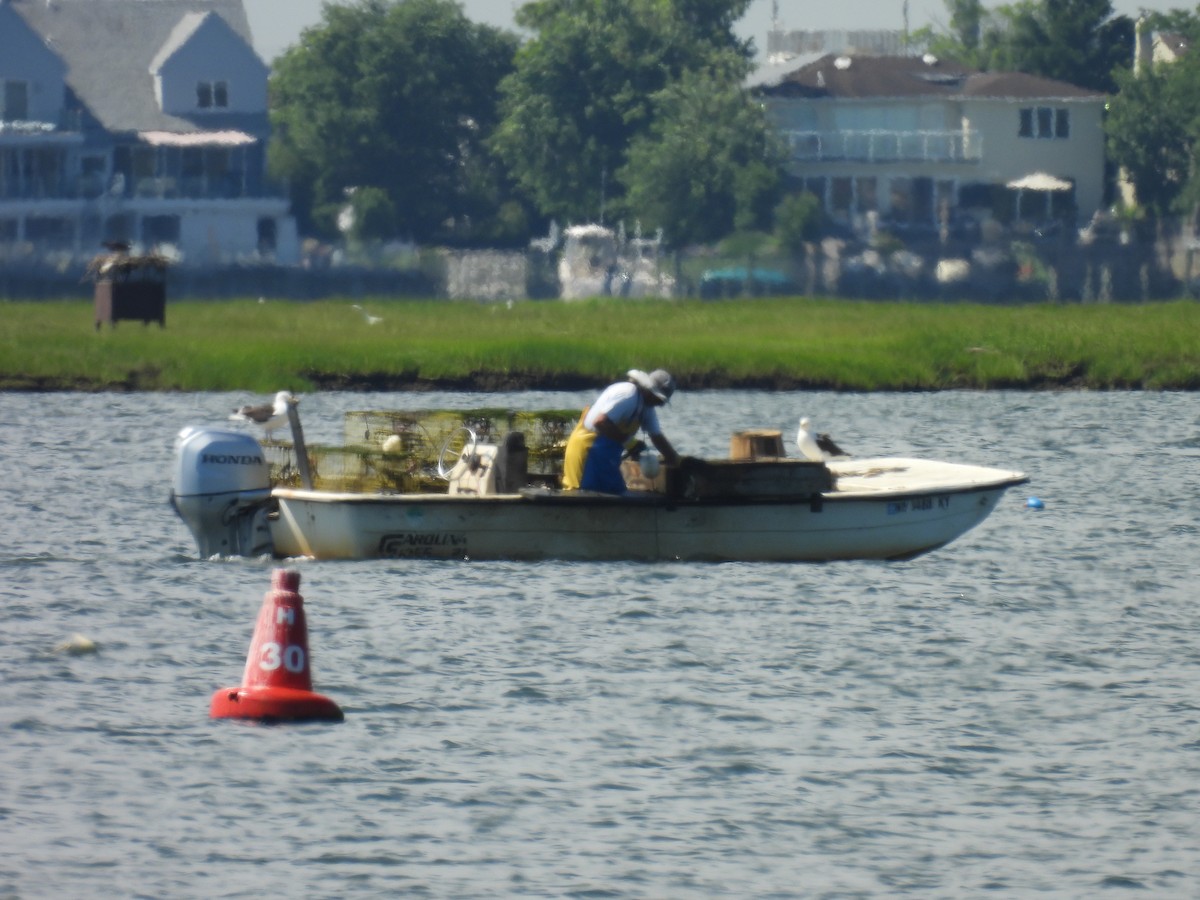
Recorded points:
(398, 96)
(797, 221)
(374, 215)
(709, 162)
(1077, 41)
(966, 22)
(1152, 126)
(583, 88)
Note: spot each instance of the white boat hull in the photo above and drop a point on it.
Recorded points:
(879, 509)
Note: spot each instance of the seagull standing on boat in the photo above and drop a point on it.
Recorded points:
(816, 447)
(807, 444)
(269, 415)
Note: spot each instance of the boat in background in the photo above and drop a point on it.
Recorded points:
(489, 492)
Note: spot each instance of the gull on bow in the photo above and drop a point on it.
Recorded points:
(807, 444)
(269, 415)
(816, 447)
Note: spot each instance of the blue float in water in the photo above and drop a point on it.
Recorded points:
(1035, 503)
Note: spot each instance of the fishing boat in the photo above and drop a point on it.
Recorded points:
(487, 493)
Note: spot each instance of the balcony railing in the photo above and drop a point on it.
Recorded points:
(233, 186)
(885, 146)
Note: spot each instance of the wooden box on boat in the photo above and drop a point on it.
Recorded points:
(756, 443)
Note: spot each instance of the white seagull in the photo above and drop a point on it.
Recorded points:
(807, 444)
(269, 415)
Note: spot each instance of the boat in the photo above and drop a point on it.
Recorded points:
(487, 492)
(597, 261)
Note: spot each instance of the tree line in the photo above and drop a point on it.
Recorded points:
(404, 119)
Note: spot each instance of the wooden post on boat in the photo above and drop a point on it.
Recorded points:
(298, 448)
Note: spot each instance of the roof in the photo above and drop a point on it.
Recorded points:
(109, 47)
(1177, 44)
(777, 67)
(844, 77)
(183, 30)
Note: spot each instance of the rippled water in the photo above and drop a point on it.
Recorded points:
(1015, 714)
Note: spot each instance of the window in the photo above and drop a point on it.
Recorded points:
(1044, 122)
(1044, 119)
(1026, 128)
(267, 236)
(976, 195)
(92, 175)
(212, 95)
(1062, 123)
(15, 101)
(866, 194)
(841, 195)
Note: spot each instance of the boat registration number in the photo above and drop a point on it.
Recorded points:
(917, 504)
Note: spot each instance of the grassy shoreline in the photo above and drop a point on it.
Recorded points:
(791, 343)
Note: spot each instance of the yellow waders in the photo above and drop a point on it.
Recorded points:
(578, 445)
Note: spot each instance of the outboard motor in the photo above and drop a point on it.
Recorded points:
(223, 491)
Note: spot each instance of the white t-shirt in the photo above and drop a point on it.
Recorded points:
(621, 402)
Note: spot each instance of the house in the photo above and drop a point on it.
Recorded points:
(1154, 47)
(914, 141)
(136, 121)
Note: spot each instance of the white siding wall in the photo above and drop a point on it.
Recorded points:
(211, 237)
(23, 57)
(1008, 156)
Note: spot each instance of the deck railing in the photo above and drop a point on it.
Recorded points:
(885, 146)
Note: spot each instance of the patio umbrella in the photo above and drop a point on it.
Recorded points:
(1043, 182)
(1040, 181)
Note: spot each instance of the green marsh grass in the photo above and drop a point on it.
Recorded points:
(796, 342)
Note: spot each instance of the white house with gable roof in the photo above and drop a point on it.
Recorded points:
(138, 121)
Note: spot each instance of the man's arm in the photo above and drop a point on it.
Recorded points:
(664, 447)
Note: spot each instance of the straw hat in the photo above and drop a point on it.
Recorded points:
(660, 382)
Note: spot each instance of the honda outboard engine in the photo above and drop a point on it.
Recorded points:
(223, 491)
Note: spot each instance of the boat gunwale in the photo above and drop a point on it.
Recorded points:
(651, 500)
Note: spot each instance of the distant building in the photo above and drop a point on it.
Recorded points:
(874, 42)
(140, 121)
(1154, 47)
(913, 140)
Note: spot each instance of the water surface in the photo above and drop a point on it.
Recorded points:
(1015, 714)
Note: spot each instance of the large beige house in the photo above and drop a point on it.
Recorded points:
(916, 140)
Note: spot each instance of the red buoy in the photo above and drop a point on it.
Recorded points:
(277, 683)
